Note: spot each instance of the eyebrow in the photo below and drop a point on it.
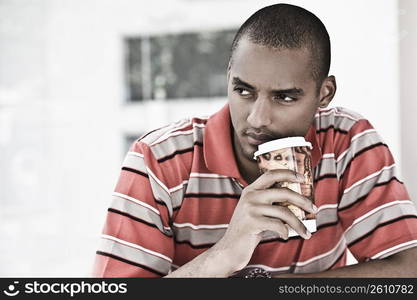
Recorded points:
(293, 91)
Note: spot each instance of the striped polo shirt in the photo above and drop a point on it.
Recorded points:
(180, 184)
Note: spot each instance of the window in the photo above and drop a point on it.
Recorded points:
(180, 66)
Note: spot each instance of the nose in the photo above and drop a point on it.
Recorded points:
(260, 113)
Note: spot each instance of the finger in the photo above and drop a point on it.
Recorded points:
(286, 216)
(274, 225)
(271, 177)
(281, 195)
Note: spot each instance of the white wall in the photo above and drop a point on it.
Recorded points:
(408, 88)
(62, 116)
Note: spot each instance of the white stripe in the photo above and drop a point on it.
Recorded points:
(303, 263)
(354, 138)
(178, 187)
(328, 155)
(371, 212)
(174, 132)
(342, 155)
(179, 126)
(207, 175)
(157, 180)
(109, 237)
(173, 127)
(136, 201)
(136, 154)
(394, 248)
(336, 113)
(346, 116)
(324, 113)
(219, 226)
(367, 178)
(327, 206)
(362, 133)
(157, 134)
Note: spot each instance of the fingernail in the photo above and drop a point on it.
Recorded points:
(307, 235)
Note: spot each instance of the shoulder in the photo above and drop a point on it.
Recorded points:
(174, 137)
(338, 118)
(340, 129)
(340, 123)
(167, 153)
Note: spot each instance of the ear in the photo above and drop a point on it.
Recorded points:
(327, 91)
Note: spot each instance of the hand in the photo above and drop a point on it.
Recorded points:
(255, 214)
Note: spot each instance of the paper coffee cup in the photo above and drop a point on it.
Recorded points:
(293, 153)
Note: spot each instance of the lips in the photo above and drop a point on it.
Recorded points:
(257, 139)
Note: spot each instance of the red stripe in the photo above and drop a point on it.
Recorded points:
(336, 142)
(217, 211)
(111, 267)
(138, 233)
(377, 197)
(380, 240)
(366, 164)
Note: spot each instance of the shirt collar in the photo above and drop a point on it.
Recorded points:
(218, 146)
(218, 150)
(312, 137)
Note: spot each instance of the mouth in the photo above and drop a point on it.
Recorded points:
(257, 139)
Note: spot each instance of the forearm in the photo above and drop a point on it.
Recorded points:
(402, 264)
(215, 262)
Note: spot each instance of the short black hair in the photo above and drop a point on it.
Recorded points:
(285, 26)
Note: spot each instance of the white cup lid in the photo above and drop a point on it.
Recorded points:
(296, 141)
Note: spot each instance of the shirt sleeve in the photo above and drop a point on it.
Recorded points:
(137, 240)
(375, 210)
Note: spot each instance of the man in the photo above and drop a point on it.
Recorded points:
(190, 201)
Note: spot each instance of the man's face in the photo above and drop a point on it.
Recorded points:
(272, 95)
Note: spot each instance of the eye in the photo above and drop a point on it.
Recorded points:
(242, 91)
(284, 98)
